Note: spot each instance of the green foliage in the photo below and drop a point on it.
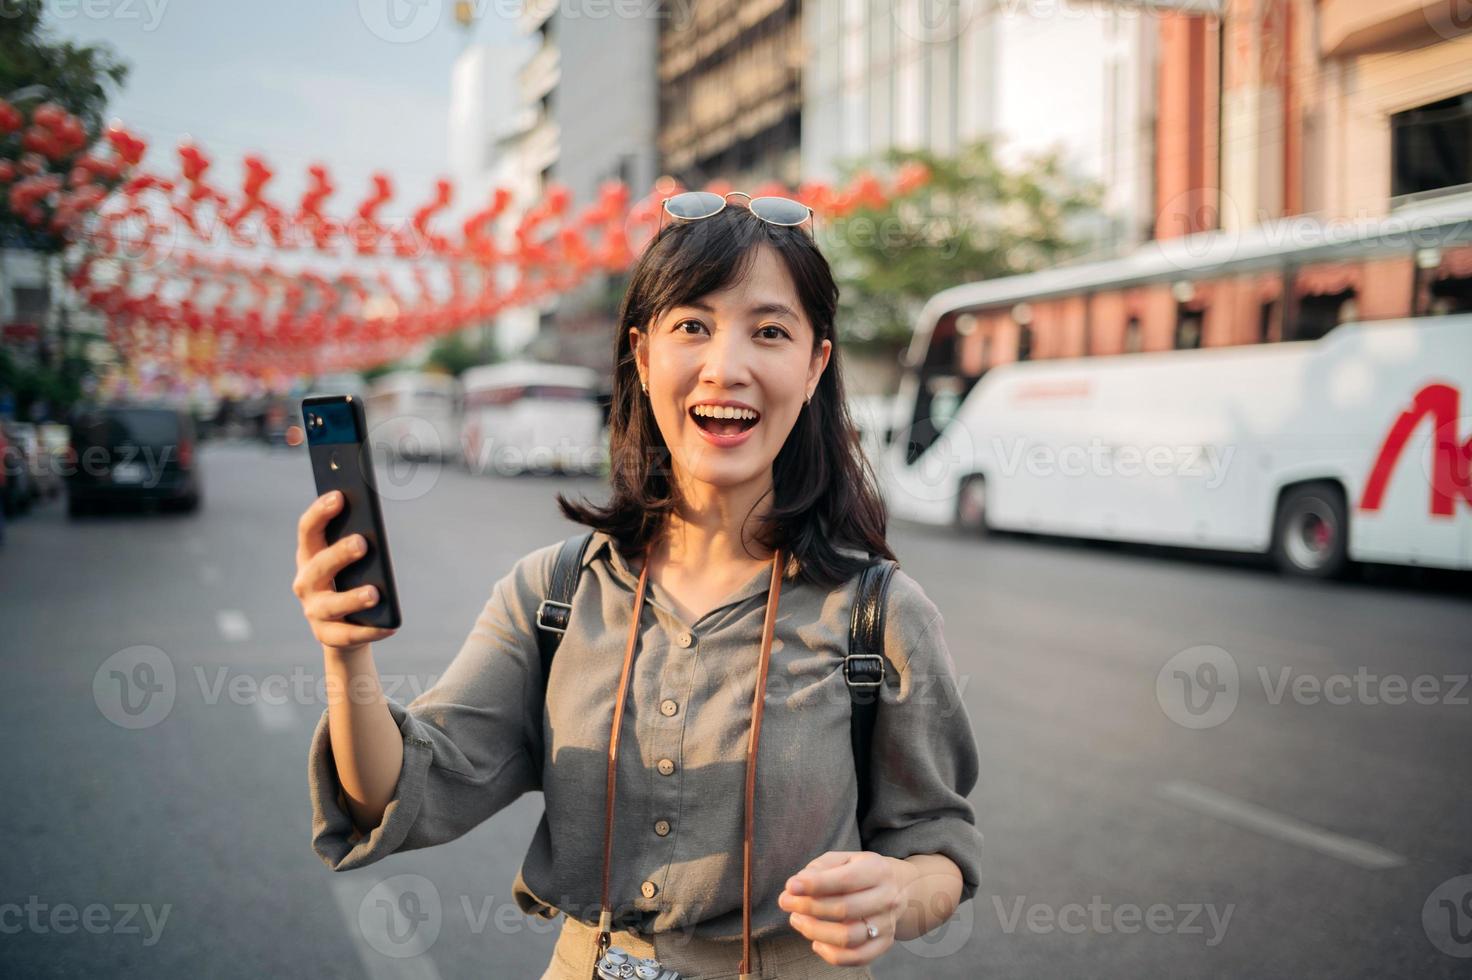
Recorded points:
(34, 68)
(378, 370)
(57, 384)
(974, 219)
(457, 351)
(78, 76)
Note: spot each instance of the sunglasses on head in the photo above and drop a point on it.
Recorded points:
(694, 205)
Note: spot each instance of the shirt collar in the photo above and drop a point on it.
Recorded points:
(602, 543)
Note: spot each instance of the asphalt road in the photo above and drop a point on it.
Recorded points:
(1189, 768)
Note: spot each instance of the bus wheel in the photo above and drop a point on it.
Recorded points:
(971, 505)
(1310, 536)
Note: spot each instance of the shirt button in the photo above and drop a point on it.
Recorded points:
(668, 708)
(648, 889)
(662, 828)
(685, 639)
(666, 767)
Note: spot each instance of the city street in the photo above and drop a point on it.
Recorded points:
(1294, 819)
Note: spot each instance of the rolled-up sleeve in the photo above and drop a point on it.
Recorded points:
(924, 760)
(470, 740)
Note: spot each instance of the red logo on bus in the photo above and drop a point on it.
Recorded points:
(1451, 465)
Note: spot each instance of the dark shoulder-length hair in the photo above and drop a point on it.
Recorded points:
(825, 497)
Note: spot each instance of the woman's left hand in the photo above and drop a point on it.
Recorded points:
(831, 898)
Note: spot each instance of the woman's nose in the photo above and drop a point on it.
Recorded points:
(727, 360)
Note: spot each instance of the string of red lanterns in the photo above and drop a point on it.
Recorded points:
(175, 293)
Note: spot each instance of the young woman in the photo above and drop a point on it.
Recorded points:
(709, 625)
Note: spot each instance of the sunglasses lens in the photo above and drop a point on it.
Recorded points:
(695, 204)
(780, 210)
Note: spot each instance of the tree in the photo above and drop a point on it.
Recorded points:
(77, 77)
(37, 70)
(455, 352)
(974, 219)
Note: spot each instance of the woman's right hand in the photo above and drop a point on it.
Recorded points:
(316, 564)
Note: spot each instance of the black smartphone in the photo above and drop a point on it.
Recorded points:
(337, 439)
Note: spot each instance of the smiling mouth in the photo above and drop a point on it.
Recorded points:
(723, 427)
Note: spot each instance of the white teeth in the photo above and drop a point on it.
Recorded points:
(724, 412)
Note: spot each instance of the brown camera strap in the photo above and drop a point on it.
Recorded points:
(605, 916)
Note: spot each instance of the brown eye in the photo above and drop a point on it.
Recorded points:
(781, 333)
(684, 322)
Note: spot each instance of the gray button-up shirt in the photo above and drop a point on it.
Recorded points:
(471, 740)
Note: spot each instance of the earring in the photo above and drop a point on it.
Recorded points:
(645, 385)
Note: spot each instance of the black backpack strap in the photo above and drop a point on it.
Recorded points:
(863, 668)
(555, 610)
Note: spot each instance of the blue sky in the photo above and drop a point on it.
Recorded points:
(359, 85)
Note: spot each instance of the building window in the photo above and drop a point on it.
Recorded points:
(1024, 343)
(1132, 341)
(1266, 317)
(1451, 296)
(1431, 146)
(1188, 328)
(1317, 315)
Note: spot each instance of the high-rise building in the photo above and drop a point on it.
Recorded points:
(587, 115)
(730, 91)
(1073, 75)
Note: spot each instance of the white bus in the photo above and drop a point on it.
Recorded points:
(1353, 446)
(528, 416)
(413, 415)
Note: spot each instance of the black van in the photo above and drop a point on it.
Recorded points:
(142, 452)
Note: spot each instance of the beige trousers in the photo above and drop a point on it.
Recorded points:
(788, 956)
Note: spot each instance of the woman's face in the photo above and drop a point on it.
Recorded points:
(750, 344)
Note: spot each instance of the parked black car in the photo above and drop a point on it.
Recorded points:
(141, 452)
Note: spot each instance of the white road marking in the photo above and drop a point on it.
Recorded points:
(1285, 828)
(233, 625)
(376, 966)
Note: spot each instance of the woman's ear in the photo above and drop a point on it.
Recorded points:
(641, 355)
(819, 364)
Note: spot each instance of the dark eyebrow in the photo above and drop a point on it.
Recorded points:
(760, 309)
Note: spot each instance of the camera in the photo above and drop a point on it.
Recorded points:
(616, 964)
